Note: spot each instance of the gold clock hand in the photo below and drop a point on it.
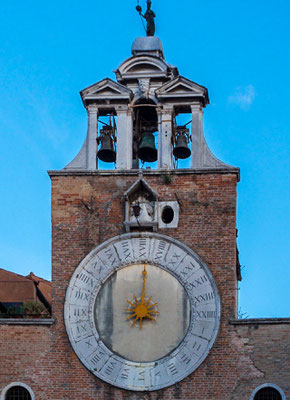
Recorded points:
(141, 309)
(144, 273)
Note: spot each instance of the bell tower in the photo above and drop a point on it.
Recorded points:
(133, 122)
(145, 265)
(144, 238)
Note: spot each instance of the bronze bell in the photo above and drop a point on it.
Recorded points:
(106, 152)
(147, 151)
(181, 149)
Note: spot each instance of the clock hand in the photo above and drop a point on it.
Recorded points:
(141, 309)
(144, 273)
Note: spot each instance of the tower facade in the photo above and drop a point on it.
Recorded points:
(144, 259)
(144, 232)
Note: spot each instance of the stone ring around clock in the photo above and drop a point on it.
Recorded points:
(94, 279)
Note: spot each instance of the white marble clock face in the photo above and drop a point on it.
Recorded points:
(142, 311)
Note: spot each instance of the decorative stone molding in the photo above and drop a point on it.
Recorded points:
(260, 321)
(183, 88)
(145, 66)
(140, 206)
(172, 208)
(105, 90)
(26, 321)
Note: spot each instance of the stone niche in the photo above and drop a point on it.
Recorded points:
(141, 204)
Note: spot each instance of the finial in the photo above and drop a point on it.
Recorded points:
(149, 17)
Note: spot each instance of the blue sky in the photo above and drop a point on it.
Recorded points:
(239, 50)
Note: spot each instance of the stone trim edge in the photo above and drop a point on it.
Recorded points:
(23, 321)
(137, 172)
(259, 321)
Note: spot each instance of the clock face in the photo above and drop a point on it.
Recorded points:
(142, 311)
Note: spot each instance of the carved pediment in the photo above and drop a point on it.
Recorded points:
(140, 187)
(144, 66)
(182, 87)
(106, 89)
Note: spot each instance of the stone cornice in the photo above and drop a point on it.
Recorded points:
(26, 321)
(260, 321)
(136, 172)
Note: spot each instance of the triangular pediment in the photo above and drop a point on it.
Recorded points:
(140, 186)
(182, 87)
(106, 88)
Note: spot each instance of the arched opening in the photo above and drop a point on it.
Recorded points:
(106, 139)
(182, 138)
(145, 134)
(268, 393)
(17, 393)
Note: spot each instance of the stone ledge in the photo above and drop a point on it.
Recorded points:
(260, 321)
(136, 172)
(27, 321)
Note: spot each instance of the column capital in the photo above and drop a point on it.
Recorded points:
(159, 110)
(92, 108)
(167, 110)
(196, 107)
(122, 109)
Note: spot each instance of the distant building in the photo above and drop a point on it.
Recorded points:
(16, 289)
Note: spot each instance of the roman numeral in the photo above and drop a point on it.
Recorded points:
(110, 255)
(86, 279)
(126, 250)
(81, 328)
(204, 297)
(89, 343)
(160, 250)
(186, 271)
(99, 267)
(80, 295)
(195, 346)
(185, 359)
(80, 312)
(174, 259)
(125, 373)
(141, 376)
(172, 369)
(206, 314)
(97, 357)
(142, 247)
(110, 368)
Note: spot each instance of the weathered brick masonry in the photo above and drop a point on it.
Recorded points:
(88, 209)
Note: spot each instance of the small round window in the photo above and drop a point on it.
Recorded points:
(17, 393)
(268, 393)
(167, 215)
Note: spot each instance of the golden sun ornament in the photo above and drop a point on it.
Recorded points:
(141, 309)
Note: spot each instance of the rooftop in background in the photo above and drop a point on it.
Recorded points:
(16, 289)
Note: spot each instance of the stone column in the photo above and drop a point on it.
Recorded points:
(124, 138)
(165, 146)
(159, 116)
(197, 136)
(92, 137)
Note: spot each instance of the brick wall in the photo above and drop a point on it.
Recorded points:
(87, 210)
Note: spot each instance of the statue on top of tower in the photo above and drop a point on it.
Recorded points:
(149, 16)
